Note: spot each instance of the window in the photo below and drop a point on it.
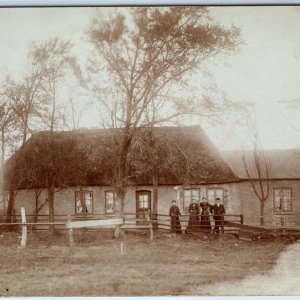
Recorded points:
(282, 199)
(88, 200)
(143, 200)
(213, 194)
(110, 202)
(190, 195)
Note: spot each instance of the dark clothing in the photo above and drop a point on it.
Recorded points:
(193, 224)
(205, 205)
(218, 211)
(174, 213)
(205, 219)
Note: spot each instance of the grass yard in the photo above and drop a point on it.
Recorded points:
(95, 267)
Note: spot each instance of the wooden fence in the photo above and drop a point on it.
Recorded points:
(148, 223)
(79, 222)
(130, 222)
(162, 222)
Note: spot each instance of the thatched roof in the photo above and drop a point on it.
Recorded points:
(282, 163)
(178, 155)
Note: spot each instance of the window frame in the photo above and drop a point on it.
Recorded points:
(143, 193)
(92, 201)
(291, 201)
(215, 196)
(191, 197)
(114, 202)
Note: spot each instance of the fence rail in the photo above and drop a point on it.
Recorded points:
(159, 221)
(130, 221)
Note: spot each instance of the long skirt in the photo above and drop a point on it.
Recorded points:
(175, 225)
(205, 223)
(193, 224)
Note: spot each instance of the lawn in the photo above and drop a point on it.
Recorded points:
(96, 267)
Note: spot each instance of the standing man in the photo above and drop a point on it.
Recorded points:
(174, 213)
(218, 210)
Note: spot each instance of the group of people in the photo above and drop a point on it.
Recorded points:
(199, 219)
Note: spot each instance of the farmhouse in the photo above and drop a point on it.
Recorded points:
(166, 163)
(187, 166)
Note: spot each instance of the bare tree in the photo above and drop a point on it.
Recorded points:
(25, 98)
(35, 98)
(47, 161)
(22, 97)
(53, 60)
(7, 118)
(257, 167)
(144, 54)
(38, 204)
(73, 112)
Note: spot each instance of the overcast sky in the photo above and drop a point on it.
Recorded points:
(266, 69)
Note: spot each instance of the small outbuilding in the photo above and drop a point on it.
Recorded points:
(282, 206)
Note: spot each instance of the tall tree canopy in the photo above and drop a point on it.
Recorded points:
(140, 57)
(145, 52)
(36, 104)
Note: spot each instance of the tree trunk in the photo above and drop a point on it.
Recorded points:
(155, 199)
(120, 186)
(36, 212)
(50, 191)
(24, 135)
(10, 214)
(10, 206)
(262, 211)
(119, 209)
(37, 208)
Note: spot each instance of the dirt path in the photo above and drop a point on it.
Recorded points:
(283, 279)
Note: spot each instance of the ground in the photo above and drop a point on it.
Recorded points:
(96, 266)
(282, 280)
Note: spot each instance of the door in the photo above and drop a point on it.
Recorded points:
(143, 204)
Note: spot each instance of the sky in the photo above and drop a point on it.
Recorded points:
(265, 70)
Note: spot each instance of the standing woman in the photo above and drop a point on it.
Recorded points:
(175, 221)
(205, 218)
(193, 224)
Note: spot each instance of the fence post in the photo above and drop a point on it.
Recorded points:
(70, 231)
(242, 219)
(24, 228)
(222, 223)
(150, 224)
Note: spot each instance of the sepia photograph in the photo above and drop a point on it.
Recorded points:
(150, 151)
